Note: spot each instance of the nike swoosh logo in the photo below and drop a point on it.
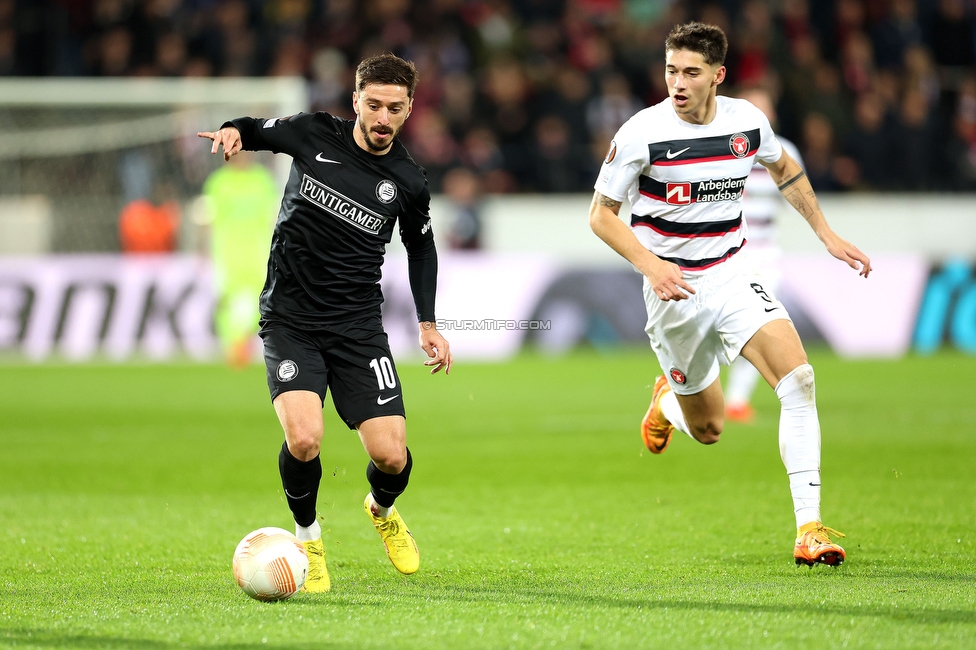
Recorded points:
(769, 309)
(815, 484)
(381, 401)
(327, 160)
(292, 496)
(676, 153)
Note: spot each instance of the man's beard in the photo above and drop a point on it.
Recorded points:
(371, 144)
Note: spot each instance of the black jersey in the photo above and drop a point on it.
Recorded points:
(337, 215)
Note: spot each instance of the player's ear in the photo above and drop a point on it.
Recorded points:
(355, 102)
(719, 75)
(409, 108)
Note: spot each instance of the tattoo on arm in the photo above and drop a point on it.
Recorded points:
(792, 180)
(805, 204)
(796, 200)
(609, 203)
(803, 199)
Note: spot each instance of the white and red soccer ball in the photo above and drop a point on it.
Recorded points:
(270, 564)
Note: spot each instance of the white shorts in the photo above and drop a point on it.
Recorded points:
(692, 337)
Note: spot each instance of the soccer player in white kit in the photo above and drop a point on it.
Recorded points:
(683, 164)
(760, 206)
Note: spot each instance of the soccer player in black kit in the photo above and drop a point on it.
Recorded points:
(350, 182)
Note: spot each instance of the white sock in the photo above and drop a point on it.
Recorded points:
(799, 441)
(378, 510)
(308, 533)
(741, 381)
(672, 411)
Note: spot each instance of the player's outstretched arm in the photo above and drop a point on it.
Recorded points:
(796, 189)
(228, 137)
(436, 347)
(665, 277)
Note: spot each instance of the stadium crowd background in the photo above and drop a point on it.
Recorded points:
(525, 95)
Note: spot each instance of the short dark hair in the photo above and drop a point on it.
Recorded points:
(707, 40)
(387, 69)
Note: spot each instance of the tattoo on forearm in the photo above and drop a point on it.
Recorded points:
(796, 200)
(804, 203)
(608, 202)
(792, 180)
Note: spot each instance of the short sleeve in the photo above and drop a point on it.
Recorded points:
(625, 160)
(791, 149)
(770, 148)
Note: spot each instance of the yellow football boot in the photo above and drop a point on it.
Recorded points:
(317, 580)
(399, 543)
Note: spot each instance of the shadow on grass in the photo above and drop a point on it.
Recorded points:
(570, 598)
(433, 592)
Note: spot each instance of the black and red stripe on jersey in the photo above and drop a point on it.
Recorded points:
(687, 229)
(717, 147)
(704, 263)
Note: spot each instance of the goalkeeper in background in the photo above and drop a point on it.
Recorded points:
(241, 198)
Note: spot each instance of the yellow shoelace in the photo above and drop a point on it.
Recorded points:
(315, 569)
(824, 533)
(391, 531)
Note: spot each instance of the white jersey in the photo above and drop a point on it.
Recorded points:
(685, 181)
(762, 201)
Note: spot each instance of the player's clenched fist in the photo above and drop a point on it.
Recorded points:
(228, 137)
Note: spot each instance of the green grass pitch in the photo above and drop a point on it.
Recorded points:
(541, 522)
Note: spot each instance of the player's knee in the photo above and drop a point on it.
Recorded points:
(304, 445)
(798, 387)
(805, 376)
(707, 432)
(390, 461)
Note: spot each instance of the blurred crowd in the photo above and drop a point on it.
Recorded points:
(525, 95)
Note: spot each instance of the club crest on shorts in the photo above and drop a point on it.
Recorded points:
(386, 191)
(287, 370)
(612, 153)
(678, 376)
(739, 144)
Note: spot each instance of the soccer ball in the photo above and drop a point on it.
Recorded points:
(270, 564)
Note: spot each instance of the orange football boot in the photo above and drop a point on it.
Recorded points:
(655, 429)
(813, 545)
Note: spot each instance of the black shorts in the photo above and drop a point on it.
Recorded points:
(352, 359)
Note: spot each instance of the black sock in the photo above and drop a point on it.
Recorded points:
(387, 487)
(301, 483)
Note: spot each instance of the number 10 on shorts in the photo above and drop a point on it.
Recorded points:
(385, 377)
